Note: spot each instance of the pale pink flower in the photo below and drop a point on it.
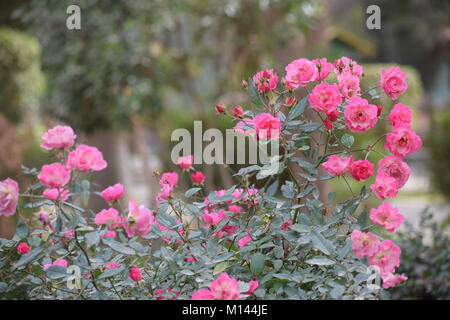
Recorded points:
(113, 192)
(225, 287)
(54, 175)
(111, 216)
(56, 193)
(265, 80)
(59, 137)
(323, 67)
(170, 178)
(112, 265)
(348, 85)
(244, 241)
(400, 116)
(347, 65)
(9, 197)
(385, 186)
(86, 158)
(396, 168)
(58, 262)
(386, 215)
(393, 82)
(186, 162)
(325, 97)
(360, 115)
(300, 72)
(267, 126)
(166, 191)
(364, 244)
(203, 294)
(390, 279)
(402, 141)
(387, 257)
(337, 166)
(140, 220)
(361, 170)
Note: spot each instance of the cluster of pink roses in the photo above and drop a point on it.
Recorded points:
(224, 288)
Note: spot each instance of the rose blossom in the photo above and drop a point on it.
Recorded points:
(140, 220)
(198, 177)
(58, 262)
(113, 192)
(325, 97)
(86, 158)
(360, 115)
(9, 197)
(220, 108)
(364, 244)
(300, 72)
(384, 186)
(327, 124)
(54, 175)
(402, 141)
(265, 80)
(59, 137)
(347, 65)
(396, 168)
(23, 248)
(267, 126)
(244, 240)
(387, 257)
(213, 218)
(170, 178)
(386, 215)
(390, 279)
(223, 288)
(245, 126)
(337, 166)
(135, 274)
(361, 170)
(332, 115)
(56, 193)
(400, 116)
(110, 215)
(393, 82)
(186, 162)
(349, 85)
(323, 67)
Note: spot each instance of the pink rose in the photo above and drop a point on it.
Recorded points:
(244, 240)
(300, 72)
(267, 126)
(402, 141)
(198, 177)
(393, 82)
(166, 191)
(86, 158)
(56, 194)
(265, 80)
(203, 294)
(170, 178)
(390, 279)
(360, 115)
(58, 262)
(186, 162)
(347, 65)
(323, 68)
(384, 186)
(113, 192)
(9, 197)
(112, 265)
(395, 168)
(387, 257)
(23, 248)
(110, 215)
(54, 175)
(135, 274)
(213, 218)
(400, 116)
(140, 220)
(349, 85)
(59, 137)
(361, 170)
(325, 97)
(327, 124)
(386, 215)
(235, 209)
(245, 126)
(364, 244)
(225, 287)
(337, 166)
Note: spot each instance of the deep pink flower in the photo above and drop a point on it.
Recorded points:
(238, 112)
(54, 175)
(186, 162)
(59, 137)
(396, 168)
(113, 192)
(220, 108)
(203, 294)
(254, 284)
(300, 72)
(267, 126)
(140, 220)
(400, 116)
(135, 274)
(364, 244)
(347, 65)
(213, 218)
(58, 262)
(244, 241)
(245, 126)
(323, 67)
(348, 85)
(265, 80)
(86, 158)
(325, 97)
(402, 141)
(327, 124)
(393, 82)
(337, 166)
(23, 248)
(387, 257)
(235, 208)
(386, 215)
(198, 177)
(361, 170)
(360, 115)
(385, 186)
(56, 193)
(332, 115)
(9, 197)
(170, 178)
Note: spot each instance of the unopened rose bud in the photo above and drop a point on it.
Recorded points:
(332, 115)
(328, 124)
(244, 84)
(220, 108)
(238, 112)
(379, 110)
(289, 102)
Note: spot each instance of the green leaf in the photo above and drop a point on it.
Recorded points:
(111, 272)
(56, 272)
(310, 127)
(298, 109)
(189, 193)
(253, 93)
(257, 263)
(92, 238)
(363, 219)
(320, 243)
(117, 246)
(347, 140)
(320, 261)
(220, 267)
(22, 229)
(3, 287)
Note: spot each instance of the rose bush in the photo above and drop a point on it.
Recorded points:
(278, 241)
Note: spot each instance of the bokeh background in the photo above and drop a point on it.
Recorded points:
(139, 69)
